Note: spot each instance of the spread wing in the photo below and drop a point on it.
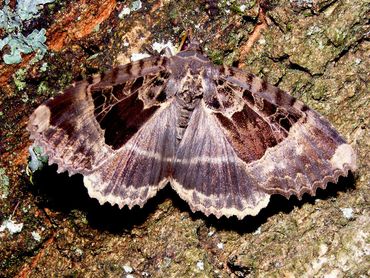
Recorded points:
(103, 128)
(253, 140)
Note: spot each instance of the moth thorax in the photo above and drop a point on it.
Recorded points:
(188, 99)
(190, 91)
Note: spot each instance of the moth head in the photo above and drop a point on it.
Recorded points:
(194, 45)
(191, 45)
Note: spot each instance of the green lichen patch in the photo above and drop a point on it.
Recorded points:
(43, 88)
(4, 184)
(12, 22)
(37, 159)
(343, 28)
(19, 79)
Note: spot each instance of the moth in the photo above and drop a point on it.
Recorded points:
(225, 140)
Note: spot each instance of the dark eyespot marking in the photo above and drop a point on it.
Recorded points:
(150, 94)
(137, 84)
(158, 82)
(268, 107)
(285, 123)
(161, 97)
(220, 82)
(247, 95)
(304, 108)
(215, 103)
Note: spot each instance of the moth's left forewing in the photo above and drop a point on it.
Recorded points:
(103, 128)
(285, 145)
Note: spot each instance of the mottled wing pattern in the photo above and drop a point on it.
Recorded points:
(93, 127)
(286, 147)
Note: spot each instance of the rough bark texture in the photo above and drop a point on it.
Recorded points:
(317, 50)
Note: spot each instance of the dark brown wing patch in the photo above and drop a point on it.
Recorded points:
(249, 134)
(123, 119)
(121, 109)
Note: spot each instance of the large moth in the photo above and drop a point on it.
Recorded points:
(224, 140)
